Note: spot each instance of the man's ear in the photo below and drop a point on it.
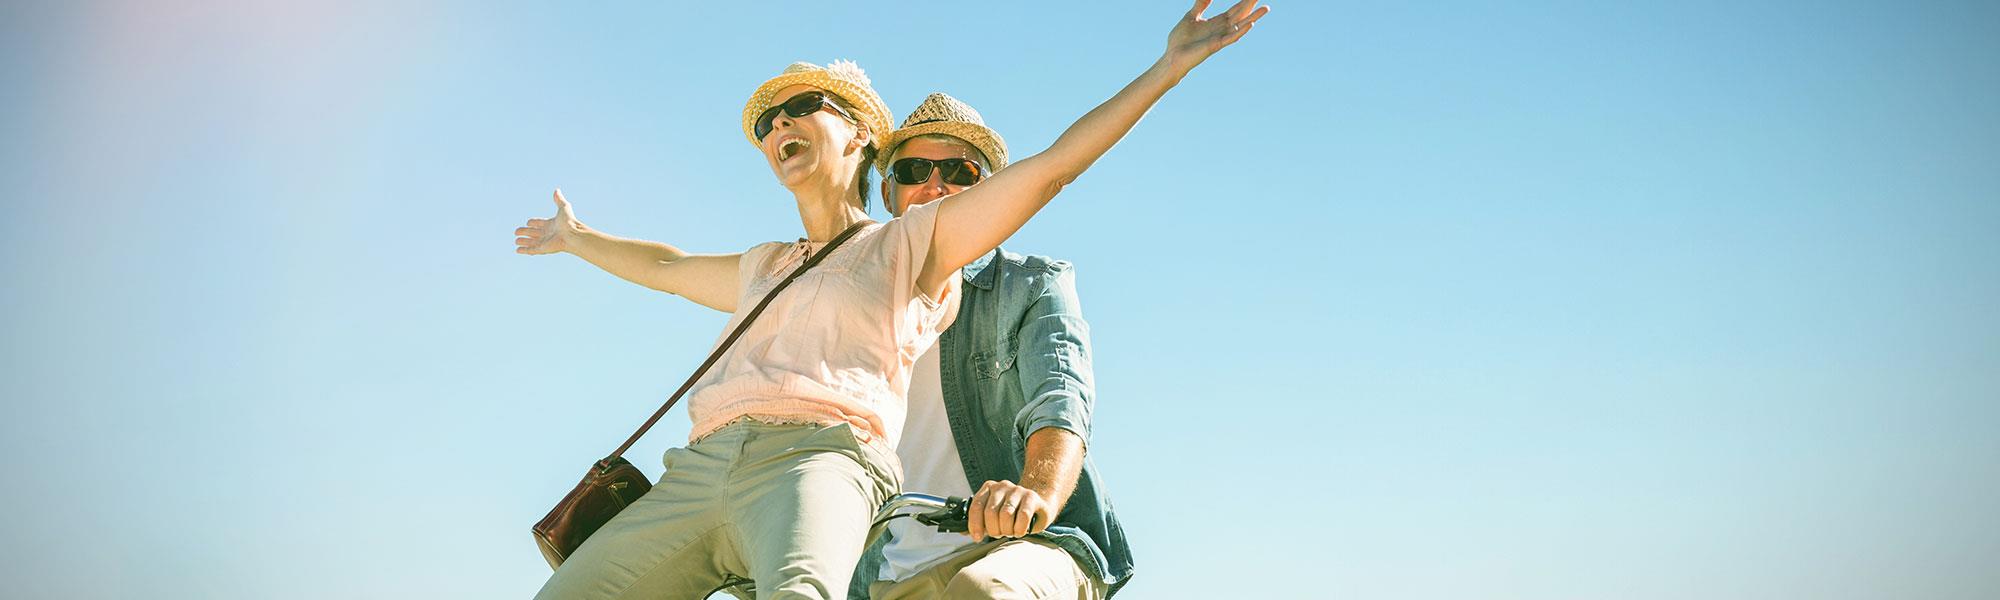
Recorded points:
(888, 201)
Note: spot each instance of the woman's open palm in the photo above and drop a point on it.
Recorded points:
(546, 236)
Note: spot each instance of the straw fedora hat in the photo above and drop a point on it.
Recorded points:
(944, 114)
(841, 77)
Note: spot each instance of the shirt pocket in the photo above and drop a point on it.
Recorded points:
(990, 365)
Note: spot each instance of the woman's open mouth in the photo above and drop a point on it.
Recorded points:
(792, 147)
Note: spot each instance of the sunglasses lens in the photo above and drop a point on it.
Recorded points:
(955, 171)
(959, 171)
(804, 104)
(763, 126)
(797, 106)
(911, 171)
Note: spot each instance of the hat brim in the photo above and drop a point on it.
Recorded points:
(873, 112)
(988, 142)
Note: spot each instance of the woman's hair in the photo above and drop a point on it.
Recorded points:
(864, 173)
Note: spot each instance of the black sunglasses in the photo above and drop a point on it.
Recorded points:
(796, 107)
(956, 171)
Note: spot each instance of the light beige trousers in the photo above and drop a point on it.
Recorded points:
(1000, 569)
(784, 505)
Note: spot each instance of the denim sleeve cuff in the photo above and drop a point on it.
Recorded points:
(1081, 430)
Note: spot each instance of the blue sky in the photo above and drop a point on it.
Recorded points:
(1439, 300)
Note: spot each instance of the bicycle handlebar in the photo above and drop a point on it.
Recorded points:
(945, 513)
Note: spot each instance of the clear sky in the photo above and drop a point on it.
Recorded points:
(1567, 299)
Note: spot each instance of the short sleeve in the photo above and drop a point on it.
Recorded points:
(753, 263)
(910, 235)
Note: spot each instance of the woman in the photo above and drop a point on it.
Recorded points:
(792, 446)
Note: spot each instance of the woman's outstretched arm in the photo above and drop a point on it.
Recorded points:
(707, 279)
(973, 222)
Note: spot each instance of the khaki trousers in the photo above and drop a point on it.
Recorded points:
(784, 505)
(1012, 568)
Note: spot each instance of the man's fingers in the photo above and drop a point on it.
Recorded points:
(997, 520)
(1023, 517)
(1023, 521)
(1253, 16)
(1236, 11)
(1199, 6)
(1005, 510)
(975, 514)
(1241, 25)
(1009, 513)
(1236, 35)
(1039, 521)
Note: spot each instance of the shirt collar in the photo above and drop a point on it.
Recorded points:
(977, 272)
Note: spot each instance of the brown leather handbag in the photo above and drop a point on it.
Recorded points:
(612, 483)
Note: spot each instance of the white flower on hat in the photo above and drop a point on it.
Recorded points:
(847, 69)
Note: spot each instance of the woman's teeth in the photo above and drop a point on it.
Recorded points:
(792, 147)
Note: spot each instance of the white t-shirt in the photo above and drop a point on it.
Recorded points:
(929, 455)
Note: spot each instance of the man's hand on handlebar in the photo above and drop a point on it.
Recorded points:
(1005, 509)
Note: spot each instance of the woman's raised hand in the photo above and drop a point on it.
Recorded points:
(547, 236)
(1194, 39)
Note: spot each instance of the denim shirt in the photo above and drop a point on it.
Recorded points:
(1016, 360)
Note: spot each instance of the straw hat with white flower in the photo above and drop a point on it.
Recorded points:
(841, 77)
(941, 113)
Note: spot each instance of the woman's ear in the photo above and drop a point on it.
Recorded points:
(861, 138)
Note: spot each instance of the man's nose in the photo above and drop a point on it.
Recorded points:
(937, 180)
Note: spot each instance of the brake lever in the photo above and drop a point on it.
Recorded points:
(950, 519)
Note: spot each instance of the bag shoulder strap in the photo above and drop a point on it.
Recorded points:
(724, 346)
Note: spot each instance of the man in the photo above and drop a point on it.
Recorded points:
(999, 409)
